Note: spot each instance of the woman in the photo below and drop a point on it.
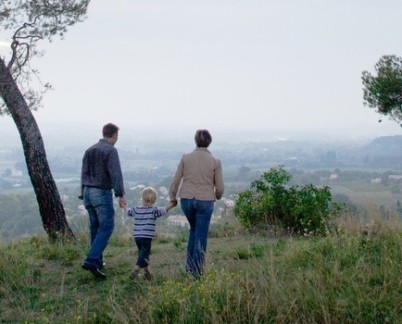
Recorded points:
(199, 176)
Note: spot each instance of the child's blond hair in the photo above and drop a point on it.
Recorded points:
(149, 196)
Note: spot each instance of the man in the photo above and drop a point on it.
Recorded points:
(101, 172)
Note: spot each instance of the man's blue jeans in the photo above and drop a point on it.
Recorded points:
(99, 204)
(198, 213)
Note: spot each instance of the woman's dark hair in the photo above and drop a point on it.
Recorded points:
(109, 130)
(202, 138)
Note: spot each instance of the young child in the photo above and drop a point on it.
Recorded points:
(144, 228)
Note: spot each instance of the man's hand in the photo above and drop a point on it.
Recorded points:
(122, 203)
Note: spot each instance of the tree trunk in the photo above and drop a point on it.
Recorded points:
(50, 205)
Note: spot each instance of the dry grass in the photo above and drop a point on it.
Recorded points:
(351, 277)
(371, 223)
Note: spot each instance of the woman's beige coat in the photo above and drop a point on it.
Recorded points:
(199, 176)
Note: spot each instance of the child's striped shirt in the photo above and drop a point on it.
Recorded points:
(145, 219)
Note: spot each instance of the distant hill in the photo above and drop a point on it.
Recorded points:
(385, 145)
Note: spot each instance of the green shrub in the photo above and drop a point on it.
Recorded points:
(301, 209)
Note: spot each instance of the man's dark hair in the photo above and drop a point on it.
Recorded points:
(109, 130)
(202, 138)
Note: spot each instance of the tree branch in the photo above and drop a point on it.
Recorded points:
(13, 46)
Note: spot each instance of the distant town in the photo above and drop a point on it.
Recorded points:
(355, 171)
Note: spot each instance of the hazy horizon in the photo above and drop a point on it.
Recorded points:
(71, 133)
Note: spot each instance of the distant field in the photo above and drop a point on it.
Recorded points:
(361, 194)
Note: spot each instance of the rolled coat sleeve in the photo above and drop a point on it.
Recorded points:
(174, 187)
(219, 185)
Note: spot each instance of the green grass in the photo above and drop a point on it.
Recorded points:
(351, 277)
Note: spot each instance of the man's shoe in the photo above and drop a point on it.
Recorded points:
(95, 271)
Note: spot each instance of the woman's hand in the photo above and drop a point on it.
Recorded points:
(172, 203)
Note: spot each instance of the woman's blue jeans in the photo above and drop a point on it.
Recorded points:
(198, 214)
(99, 204)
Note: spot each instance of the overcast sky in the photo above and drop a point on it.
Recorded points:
(221, 64)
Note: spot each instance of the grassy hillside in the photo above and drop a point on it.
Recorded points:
(352, 276)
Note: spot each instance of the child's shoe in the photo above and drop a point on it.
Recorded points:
(148, 275)
(134, 275)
